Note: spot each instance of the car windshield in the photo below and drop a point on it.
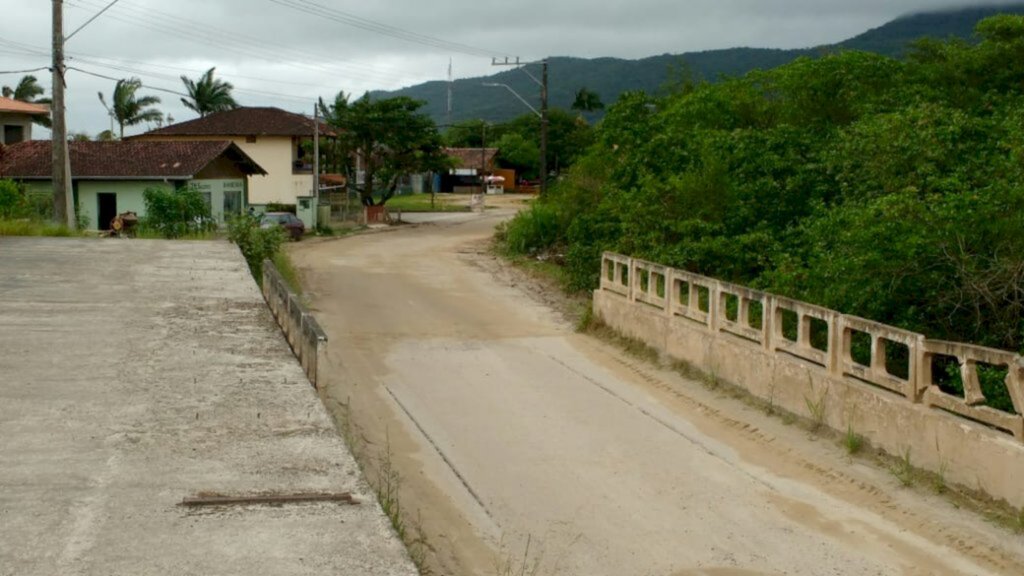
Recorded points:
(276, 218)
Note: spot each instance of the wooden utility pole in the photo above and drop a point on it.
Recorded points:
(543, 114)
(316, 165)
(544, 130)
(63, 199)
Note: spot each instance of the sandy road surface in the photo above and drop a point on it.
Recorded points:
(517, 438)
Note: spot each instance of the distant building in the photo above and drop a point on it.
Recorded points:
(16, 120)
(471, 164)
(109, 178)
(272, 137)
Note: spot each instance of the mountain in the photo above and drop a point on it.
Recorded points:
(610, 77)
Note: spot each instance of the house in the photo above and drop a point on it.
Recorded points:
(109, 178)
(471, 164)
(16, 120)
(273, 137)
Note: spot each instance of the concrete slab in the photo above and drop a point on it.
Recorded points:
(136, 373)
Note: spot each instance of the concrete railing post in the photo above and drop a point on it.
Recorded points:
(835, 345)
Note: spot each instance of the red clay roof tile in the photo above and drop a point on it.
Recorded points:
(120, 160)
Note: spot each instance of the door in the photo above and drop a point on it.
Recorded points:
(106, 209)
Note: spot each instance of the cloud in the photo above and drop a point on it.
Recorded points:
(278, 55)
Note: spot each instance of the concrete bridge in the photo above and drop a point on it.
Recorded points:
(523, 445)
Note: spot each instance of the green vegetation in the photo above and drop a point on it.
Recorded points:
(888, 189)
(428, 203)
(258, 244)
(391, 135)
(128, 108)
(207, 95)
(852, 441)
(610, 78)
(175, 214)
(23, 213)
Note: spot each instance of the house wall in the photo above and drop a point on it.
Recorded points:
(275, 154)
(129, 197)
(22, 120)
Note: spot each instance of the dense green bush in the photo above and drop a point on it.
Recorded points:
(890, 189)
(11, 200)
(256, 244)
(176, 213)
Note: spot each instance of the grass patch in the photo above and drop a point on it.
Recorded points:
(201, 235)
(903, 469)
(424, 203)
(852, 441)
(35, 228)
(283, 262)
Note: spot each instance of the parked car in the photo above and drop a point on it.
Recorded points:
(290, 222)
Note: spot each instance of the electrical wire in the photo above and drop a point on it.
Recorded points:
(199, 32)
(24, 71)
(313, 8)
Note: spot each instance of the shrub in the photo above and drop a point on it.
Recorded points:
(12, 201)
(256, 244)
(173, 214)
(532, 230)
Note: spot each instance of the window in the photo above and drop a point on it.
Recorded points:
(13, 134)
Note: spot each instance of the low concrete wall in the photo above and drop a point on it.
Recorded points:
(307, 340)
(738, 335)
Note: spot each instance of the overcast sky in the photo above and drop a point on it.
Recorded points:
(276, 54)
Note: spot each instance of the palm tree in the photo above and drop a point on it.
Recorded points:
(587, 101)
(29, 90)
(127, 109)
(208, 95)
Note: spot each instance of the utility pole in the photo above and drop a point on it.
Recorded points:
(316, 156)
(543, 83)
(544, 130)
(63, 197)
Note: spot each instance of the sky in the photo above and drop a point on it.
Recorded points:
(286, 53)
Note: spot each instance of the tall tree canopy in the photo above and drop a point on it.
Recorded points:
(587, 101)
(208, 95)
(127, 108)
(390, 139)
(884, 188)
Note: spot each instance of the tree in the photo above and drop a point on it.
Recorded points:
(28, 90)
(520, 154)
(208, 95)
(128, 109)
(391, 138)
(587, 101)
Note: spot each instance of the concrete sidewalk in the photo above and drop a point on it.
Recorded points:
(134, 374)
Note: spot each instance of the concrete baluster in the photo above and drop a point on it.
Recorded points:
(835, 345)
(714, 305)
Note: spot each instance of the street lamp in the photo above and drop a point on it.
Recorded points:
(543, 115)
(514, 93)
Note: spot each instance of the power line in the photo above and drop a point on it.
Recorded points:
(105, 77)
(336, 15)
(199, 32)
(24, 71)
(90, 20)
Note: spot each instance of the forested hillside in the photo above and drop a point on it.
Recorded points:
(890, 189)
(610, 77)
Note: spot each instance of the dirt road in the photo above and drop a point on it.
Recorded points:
(524, 445)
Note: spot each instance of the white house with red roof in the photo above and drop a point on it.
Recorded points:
(110, 178)
(16, 119)
(272, 137)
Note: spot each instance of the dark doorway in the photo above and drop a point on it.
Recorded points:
(106, 209)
